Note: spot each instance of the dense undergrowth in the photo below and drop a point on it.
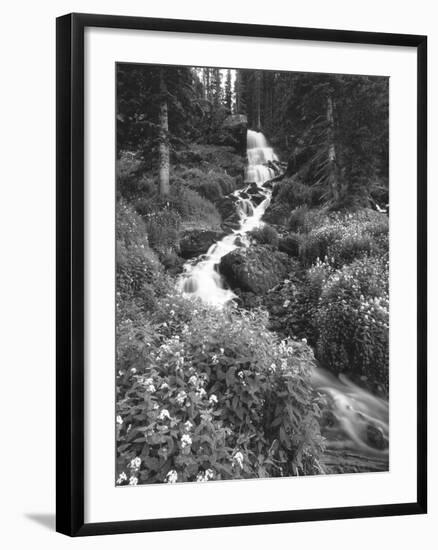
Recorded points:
(205, 394)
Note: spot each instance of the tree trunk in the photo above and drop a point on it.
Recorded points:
(333, 169)
(258, 91)
(238, 91)
(163, 139)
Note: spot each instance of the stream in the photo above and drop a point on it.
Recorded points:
(355, 423)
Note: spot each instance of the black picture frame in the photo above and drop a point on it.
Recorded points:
(70, 273)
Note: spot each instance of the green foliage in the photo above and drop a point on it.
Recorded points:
(265, 234)
(303, 219)
(353, 320)
(294, 193)
(210, 184)
(140, 282)
(340, 236)
(194, 208)
(163, 229)
(219, 397)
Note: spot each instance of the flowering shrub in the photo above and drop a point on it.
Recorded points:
(344, 237)
(217, 397)
(353, 320)
(294, 305)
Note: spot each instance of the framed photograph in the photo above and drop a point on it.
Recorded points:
(241, 274)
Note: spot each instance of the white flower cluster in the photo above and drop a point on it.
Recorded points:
(238, 459)
(164, 413)
(149, 383)
(135, 463)
(206, 476)
(186, 441)
(171, 476)
(181, 397)
(122, 477)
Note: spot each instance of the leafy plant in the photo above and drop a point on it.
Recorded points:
(220, 398)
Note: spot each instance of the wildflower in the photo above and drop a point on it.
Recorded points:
(193, 380)
(304, 340)
(212, 399)
(273, 367)
(222, 351)
(171, 476)
(133, 370)
(240, 374)
(135, 463)
(164, 413)
(164, 386)
(238, 459)
(214, 359)
(201, 392)
(133, 480)
(286, 303)
(181, 397)
(186, 441)
(188, 425)
(119, 419)
(206, 476)
(122, 477)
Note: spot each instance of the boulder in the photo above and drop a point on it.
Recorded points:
(233, 132)
(196, 242)
(227, 206)
(255, 269)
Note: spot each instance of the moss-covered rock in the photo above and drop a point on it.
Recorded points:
(255, 269)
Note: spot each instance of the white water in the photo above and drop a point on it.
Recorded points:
(354, 408)
(201, 278)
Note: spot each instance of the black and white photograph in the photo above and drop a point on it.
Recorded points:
(252, 260)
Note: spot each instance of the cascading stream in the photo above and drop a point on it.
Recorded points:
(360, 419)
(201, 278)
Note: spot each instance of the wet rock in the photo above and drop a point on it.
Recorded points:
(376, 437)
(233, 132)
(255, 269)
(231, 223)
(197, 242)
(227, 207)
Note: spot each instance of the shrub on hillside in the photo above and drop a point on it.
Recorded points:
(137, 267)
(341, 237)
(353, 319)
(140, 282)
(220, 398)
(193, 208)
(290, 244)
(132, 182)
(294, 193)
(294, 305)
(265, 234)
(163, 228)
(210, 184)
(303, 219)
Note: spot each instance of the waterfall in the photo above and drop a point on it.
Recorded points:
(358, 416)
(201, 277)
